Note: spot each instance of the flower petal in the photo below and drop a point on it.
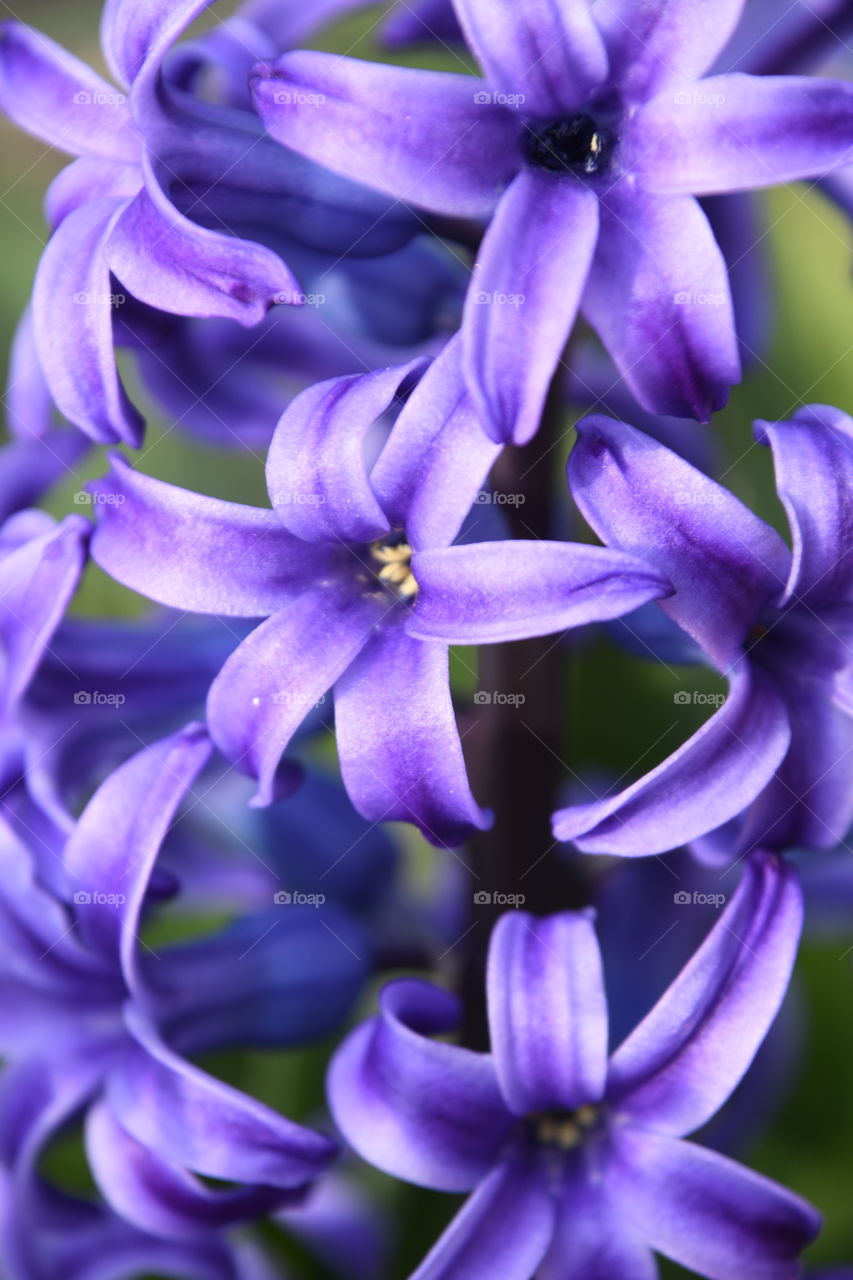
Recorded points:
(193, 1120)
(111, 852)
(55, 96)
(284, 668)
(316, 472)
(437, 456)
(591, 1240)
(399, 746)
(708, 1213)
(193, 552)
(737, 132)
(170, 263)
(658, 296)
(813, 457)
(809, 803)
(713, 777)
(136, 32)
(687, 1056)
(551, 54)
(488, 592)
(522, 303)
(421, 22)
(724, 563)
(504, 1228)
(425, 137)
(668, 42)
(73, 311)
(421, 1110)
(37, 580)
(547, 1011)
(157, 1195)
(29, 407)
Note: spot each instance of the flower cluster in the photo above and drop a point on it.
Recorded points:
(470, 320)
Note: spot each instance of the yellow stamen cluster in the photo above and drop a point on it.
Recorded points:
(565, 1129)
(396, 572)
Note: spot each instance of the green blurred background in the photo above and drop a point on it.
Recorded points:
(810, 360)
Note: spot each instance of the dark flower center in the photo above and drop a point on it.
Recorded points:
(391, 561)
(565, 1130)
(576, 145)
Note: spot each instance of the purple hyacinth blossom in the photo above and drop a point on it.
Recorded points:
(577, 1164)
(179, 200)
(586, 143)
(335, 569)
(74, 973)
(775, 622)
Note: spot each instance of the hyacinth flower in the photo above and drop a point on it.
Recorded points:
(179, 200)
(74, 970)
(774, 621)
(576, 1163)
(334, 569)
(585, 144)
